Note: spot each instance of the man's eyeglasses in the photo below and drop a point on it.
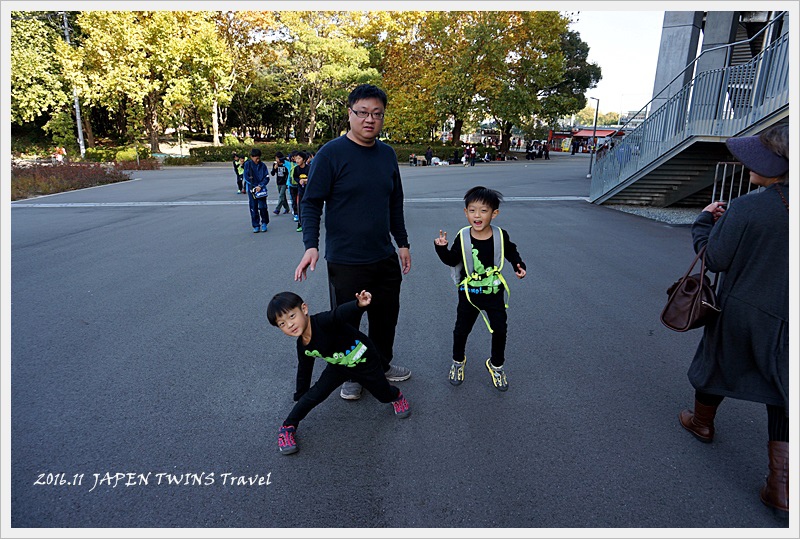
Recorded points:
(365, 113)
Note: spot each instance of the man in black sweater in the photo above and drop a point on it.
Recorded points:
(356, 179)
(348, 353)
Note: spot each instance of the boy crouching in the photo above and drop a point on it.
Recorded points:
(349, 354)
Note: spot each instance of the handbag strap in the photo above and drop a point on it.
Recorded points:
(780, 192)
(700, 256)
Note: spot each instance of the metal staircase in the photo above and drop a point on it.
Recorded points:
(669, 159)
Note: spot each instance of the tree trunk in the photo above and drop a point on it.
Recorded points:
(312, 118)
(300, 129)
(87, 127)
(505, 133)
(223, 121)
(151, 116)
(121, 118)
(215, 124)
(457, 132)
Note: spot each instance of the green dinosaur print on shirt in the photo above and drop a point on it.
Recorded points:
(489, 284)
(350, 358)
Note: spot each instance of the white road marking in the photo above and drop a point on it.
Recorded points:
(23, 204)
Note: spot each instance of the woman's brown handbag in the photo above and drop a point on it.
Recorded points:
(692, 301)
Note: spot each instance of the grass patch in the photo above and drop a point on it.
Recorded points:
(45, 179)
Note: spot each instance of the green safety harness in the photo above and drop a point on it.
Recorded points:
(468, 263)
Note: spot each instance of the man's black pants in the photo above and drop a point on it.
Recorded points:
(382, 279)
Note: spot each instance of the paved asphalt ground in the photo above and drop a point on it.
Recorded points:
(140, 346)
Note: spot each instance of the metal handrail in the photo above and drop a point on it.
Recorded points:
(717, 102)
(729, 46)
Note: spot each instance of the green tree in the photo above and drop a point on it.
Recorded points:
(135, 59)
(250, 55)
(394, 42)
(585, 116)
(568, 94)
(207, 71)
(37, 85)
(321, 56)
(453, 48)
(531, 78)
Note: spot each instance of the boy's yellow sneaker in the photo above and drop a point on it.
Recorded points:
(457, 372)
(498, 376)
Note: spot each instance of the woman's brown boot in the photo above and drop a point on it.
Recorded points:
(775, 493)
(700, 422)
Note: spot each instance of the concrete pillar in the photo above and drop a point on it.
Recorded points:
(680, 34)
(710, 91)
(720, 29)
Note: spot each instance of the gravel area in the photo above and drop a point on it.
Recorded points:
(673, 216)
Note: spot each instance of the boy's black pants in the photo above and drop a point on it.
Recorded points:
(467, 314)
(369, 374)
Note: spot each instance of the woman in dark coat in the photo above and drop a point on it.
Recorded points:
(744, 353)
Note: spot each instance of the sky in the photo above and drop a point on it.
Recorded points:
(625, 46)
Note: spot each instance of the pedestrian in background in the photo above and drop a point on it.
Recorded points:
(256, 176)
(281, 174)
(300, 179)
(356, 179)
(744, 353)
(238, 169)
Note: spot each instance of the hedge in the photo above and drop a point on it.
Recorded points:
(268, 150)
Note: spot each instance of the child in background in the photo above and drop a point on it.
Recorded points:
(238, 168)
(348, 353)
(481, 286)
(281, 173)
(300, 177)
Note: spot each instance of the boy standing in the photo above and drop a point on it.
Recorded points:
(256, 176)
(348, 353)
(477, 258)
(281, 174)
(238, 168)
(300, 178)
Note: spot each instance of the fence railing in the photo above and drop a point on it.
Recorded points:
(731, 181)
(720, 102)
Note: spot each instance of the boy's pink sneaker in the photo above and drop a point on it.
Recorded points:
(286, 442)
(401, 408)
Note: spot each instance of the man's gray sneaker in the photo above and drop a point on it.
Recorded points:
(351, 391)
(397, 373)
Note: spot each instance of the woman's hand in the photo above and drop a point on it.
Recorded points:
(716, 209)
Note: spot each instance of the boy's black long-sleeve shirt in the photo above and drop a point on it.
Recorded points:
(483, 255)
(335, 341)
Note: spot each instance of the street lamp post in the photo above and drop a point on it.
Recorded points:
(594, 137)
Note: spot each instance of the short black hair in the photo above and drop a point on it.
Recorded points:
(278, 155)
(489, 197)
(303, 155)
(366, 91)
(282, 303)
(255, 152)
